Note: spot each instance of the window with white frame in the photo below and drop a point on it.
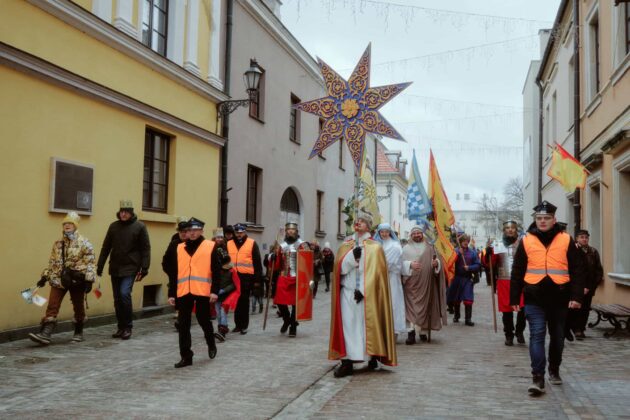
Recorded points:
(620, 33)
(594, 214)
(592, 55)
(621, 208)
(547, 131)
(154, 25)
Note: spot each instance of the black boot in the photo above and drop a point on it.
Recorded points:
(373, 363)
(186, 361)
(554, 376)
(78, 332)
(538, 385)
(293, 329)
(411, 337)
(509, 340)
(468, 313)
(43, 337)
(520, 338)
(457, 312)
(285, 324)
(343, 369)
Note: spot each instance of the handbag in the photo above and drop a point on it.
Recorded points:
(69, 278)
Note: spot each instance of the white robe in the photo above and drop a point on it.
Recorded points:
(353, 314)
(393, 254)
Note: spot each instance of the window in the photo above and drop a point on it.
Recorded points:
(320, 210)
(289, 202)
(621, 208)
(341, 151)
(253, 190)
(340, 223)
(592, 44)
(294, 120)
(547, 131)
(155, 185)
(154, 25)
(257, 104)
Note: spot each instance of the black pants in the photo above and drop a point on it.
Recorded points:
(241, 313)
(284, 312)
(508, 323)
(202, 309)
(316, 278)
(577, 318)
(327, 277)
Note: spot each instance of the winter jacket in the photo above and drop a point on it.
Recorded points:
(130, 249)
(79, 255)
(169, 264)
(593, 265)
(547, 293)
(329, 262)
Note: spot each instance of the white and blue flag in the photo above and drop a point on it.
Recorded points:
(418, 203)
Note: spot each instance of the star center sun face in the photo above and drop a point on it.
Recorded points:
(349, 108)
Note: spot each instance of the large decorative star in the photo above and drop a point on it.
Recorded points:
(351, 109)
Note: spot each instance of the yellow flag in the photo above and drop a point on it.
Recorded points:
(442, 213)
(367, 193)
(566, 170)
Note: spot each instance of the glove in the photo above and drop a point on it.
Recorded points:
(88, 287)
(42, 282)
(358, 296)
(357, 253)
(99, 272)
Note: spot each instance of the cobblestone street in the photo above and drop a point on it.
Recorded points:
(464, 372)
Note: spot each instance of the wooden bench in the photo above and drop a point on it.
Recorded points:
(614, 314)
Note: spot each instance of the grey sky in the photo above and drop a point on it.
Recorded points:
(458, 99)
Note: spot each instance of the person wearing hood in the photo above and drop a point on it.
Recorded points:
(127, 240)
(72, 254)
(548, 270)
(393, 254)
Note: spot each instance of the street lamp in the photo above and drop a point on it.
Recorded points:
(251, 78)
(390, 188)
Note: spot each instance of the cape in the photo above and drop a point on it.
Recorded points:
(379, 322)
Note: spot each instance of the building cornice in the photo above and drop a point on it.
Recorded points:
(280, 33)
(603, 141)
(93, 26)
(24, 62)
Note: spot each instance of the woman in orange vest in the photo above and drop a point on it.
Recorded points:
(195, 263)
(547, 268)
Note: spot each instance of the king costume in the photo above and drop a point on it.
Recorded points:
(361, 329)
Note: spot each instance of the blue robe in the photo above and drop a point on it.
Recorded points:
(461, 289)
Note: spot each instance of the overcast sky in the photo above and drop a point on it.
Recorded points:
(466, 98)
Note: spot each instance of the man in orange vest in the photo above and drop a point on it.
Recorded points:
(548, 269)
(245, 256)
(195, 263)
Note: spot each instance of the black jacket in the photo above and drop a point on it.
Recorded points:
(128, 243)
(547, 293)
(594, 269)
(169, 264)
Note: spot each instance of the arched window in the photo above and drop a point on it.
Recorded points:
(289, 202)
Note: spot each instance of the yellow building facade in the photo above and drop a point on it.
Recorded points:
(83, 87)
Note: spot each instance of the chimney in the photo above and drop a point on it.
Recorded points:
(544, 35)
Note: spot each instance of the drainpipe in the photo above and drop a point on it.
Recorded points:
(225, 123)
(577, 214)
(540, 139)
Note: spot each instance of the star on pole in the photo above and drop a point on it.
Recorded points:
(351, 109)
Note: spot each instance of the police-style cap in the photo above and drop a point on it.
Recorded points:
(240, 227)
(545, 208)
(195, 223)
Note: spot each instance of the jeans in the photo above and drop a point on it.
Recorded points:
(539, 319)
(221, 314)
(122, 287)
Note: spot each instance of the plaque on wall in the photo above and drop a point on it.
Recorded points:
(71, 186)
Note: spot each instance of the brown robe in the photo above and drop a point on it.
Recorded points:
(422, 307)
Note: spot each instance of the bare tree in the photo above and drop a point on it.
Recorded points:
(492, 212)
(512, 206)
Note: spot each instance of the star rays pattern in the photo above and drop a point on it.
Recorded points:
(351, 109)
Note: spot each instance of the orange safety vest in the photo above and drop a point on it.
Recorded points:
(550, 261)
(194, 273)
(242, 257)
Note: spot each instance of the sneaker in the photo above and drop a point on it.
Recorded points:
(118, 333)
(554, 377)
(243, 331)
(220, 337)
(126, 334)
(537, 387)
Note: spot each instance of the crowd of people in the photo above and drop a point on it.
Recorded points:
(381, 288)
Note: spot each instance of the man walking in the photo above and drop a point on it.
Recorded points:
(361, 328)
(578, 318)
(424, 287)
(195, 262)
(245, 255)
(547, 269)
(127, 240)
